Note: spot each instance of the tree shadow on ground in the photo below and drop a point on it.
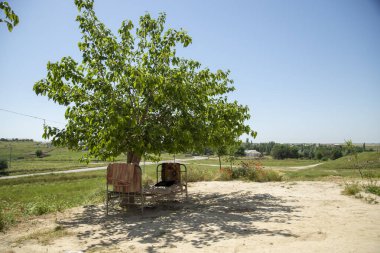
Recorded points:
(209, 218)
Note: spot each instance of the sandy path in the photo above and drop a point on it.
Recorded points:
(220, 216)
(297, 167)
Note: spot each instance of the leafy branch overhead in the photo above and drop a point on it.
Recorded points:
(132, 94)
(11, 19)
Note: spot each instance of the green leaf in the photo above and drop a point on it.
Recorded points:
(11, 19)
(10, 26)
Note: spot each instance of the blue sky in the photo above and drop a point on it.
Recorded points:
(308, 70)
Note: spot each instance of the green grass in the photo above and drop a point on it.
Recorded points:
(372, 159)
(342, 167)
(24, 160)
(210, 160)
(287, 162)
(24, 197)
(20, 149)
(38, 165)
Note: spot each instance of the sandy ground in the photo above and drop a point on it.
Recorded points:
(219, 216)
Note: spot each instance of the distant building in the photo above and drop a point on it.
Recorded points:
(253, 153)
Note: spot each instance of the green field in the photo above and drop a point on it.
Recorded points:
(267, 161)
(342, 167)
(22, 159)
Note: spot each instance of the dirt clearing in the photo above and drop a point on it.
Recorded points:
(230, 216)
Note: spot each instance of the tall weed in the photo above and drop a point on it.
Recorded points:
(196, 174)
(226, 174)
(6, 218)
(351, 188)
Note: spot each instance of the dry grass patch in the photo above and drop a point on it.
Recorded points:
(46, 237)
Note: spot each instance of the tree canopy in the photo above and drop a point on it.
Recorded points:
(11, 19)
(132, 94)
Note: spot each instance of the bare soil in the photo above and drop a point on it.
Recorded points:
(218, 216)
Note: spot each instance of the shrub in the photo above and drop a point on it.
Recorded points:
(351, 188)
(3, 164)
(335, 154)
(39, 153)
(39, 208)
(254, 171)
(3, 167)
(226, 174)
(374, 189)
(5, 219)
(263, 175)
(239, 173)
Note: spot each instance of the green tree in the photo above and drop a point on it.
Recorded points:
(240, 151)
(39, 153)
(279, 151)
(353, 153)
(133, 95)
(221, 151)
(282, 151)
(11, 19)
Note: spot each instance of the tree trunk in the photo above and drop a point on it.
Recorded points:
(133, 158)
(220, 163)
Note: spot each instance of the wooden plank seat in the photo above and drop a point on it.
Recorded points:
(124, 185)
